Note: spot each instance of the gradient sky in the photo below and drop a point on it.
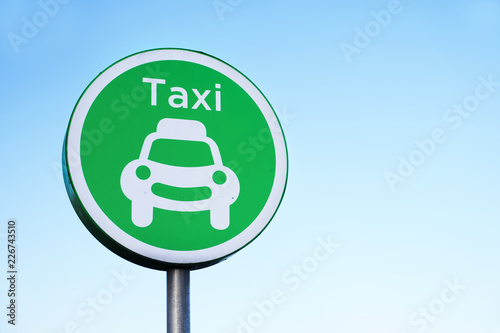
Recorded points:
(390, 111)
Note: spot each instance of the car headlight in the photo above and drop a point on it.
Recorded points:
(143, 172)
(219, 177)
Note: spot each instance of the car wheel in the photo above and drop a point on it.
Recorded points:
(142, 213)
(219, 217)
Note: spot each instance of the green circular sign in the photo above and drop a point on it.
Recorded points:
(174, 158)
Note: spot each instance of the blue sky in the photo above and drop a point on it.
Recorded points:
(382, 165)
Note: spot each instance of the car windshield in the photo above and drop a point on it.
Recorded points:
(181, 153)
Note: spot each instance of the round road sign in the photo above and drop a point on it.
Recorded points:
(174, 158)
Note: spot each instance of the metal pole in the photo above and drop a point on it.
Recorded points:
(178, 316)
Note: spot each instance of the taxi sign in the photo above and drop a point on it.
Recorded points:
(173, 158)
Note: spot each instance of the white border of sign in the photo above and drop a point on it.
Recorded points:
(97, 215)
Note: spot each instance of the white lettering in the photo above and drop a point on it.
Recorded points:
(201, 99)
(153, 82)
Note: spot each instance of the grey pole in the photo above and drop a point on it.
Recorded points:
(178, 316)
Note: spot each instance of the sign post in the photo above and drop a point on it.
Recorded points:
(178, 314)
(174, 160)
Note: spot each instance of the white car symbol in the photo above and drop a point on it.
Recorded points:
(148, 182)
